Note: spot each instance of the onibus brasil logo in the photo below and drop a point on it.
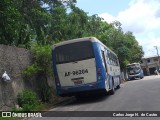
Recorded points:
(21, 114)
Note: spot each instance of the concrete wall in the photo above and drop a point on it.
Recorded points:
(12, 60)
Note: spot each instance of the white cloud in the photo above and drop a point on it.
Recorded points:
(148, 44)
(107, 17)
(141, 14)
(142, 17)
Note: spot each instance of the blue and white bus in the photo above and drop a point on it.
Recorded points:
(84, 65)
(134, 71)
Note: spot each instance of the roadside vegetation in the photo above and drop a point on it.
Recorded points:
(28, 101)
(45, 22)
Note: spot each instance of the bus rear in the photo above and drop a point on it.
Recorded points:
(74, 67)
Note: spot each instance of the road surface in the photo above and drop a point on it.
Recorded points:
(136, 95)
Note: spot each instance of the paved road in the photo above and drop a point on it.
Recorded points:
(136, 95)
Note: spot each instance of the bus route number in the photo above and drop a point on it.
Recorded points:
(76, 72)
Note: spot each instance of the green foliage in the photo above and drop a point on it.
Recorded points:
(28, 100)
(46, 92)
(10, 20)
(42, 61)
(30, 70)
(42, 58)
(41, 67)
(125, 62)
(46, 22)
(123, 44)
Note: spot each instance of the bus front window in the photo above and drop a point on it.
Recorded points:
(133, 69)
(137, 69)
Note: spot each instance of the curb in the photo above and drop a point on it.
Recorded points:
(62, 102)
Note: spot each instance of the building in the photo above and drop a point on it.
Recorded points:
(150, 64)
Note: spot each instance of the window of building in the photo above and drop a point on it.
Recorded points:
(155, 59)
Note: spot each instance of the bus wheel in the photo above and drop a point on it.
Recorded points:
(112, 91)
(141, 77)
(79, 97)
(118, 86)
(106, 89)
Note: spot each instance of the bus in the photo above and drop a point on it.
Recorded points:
(84, 65)
(134, 71)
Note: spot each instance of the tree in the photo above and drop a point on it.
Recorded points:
(46, 22)
(123, 44)
(10, 20)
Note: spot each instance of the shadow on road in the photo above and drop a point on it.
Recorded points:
(136, 79)
(96, 97)
(88, 99)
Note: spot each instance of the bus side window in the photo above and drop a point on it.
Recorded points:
(117, 62)
(111, 58)
(108, 54)
(104, 59)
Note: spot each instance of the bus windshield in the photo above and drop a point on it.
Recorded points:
(74, 52)
(133, 69)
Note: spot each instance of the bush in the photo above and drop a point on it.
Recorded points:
(42, 66)
(28, 100)
(30, 70)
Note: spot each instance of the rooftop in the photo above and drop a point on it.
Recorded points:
(149, 57)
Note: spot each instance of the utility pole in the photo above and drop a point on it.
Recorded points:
(158, 58)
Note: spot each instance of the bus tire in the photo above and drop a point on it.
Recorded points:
(118, 86)
(105, 91)
(112, 91)
(141, 77)
(79, 97)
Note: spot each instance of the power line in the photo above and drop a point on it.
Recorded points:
(158, 56)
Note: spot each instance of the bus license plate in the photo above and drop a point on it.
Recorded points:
(78, 82)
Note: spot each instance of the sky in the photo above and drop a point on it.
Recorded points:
(141, 17)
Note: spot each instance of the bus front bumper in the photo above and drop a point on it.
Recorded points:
(130, 77)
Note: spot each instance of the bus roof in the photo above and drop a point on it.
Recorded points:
(133, 64)
(92, 39)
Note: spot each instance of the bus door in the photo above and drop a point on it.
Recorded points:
(105, 68)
